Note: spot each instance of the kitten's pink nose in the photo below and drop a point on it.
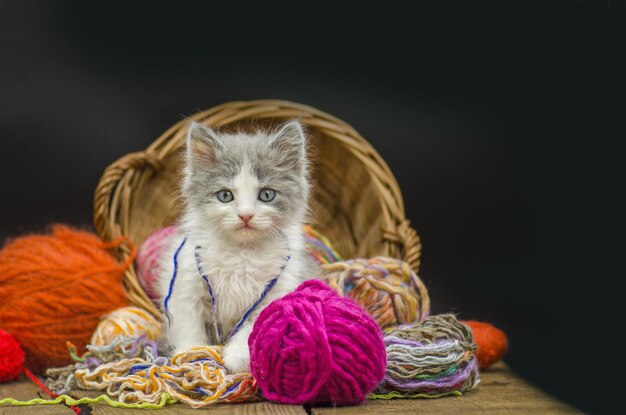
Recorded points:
(246, 218)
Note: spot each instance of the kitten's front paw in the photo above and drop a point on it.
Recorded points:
(236, 358)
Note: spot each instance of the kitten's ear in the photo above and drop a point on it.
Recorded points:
(202, 143)
(290, 142)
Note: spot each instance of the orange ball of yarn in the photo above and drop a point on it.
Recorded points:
(491, 341)
(54, 288)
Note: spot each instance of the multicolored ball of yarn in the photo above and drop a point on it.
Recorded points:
(55, 288)
(126, 321)
(386, 287)
(319, 247)
(429, 359)
(148, 260)
(132, 370)
(314, 347)
(11, 357)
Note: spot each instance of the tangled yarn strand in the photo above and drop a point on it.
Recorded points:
(131, 370)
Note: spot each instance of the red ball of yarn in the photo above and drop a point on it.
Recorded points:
(11, 357)
(492, 343)
(54, 289)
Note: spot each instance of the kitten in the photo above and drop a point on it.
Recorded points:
(245, 201)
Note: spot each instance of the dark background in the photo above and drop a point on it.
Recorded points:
(504, 124)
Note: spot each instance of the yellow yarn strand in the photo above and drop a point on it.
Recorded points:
(102, 399)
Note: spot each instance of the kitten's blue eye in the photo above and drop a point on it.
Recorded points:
(267, 195)
(225, 196)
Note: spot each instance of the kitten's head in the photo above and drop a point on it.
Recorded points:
(246, 187)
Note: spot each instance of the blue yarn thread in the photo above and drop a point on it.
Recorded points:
(267, 289)
(137, 368)
(171, 287)
(245, 316)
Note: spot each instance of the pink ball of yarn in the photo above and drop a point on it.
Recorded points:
(148, 260)
(314, 347)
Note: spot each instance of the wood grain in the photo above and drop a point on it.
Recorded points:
(500, 391)
(26, 390)
(261, 408)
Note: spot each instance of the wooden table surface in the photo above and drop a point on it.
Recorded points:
(500, 391)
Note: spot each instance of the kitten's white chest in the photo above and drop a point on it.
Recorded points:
(237, 281)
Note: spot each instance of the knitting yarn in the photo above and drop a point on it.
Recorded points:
(431, 358)
(149, 256)
(11, 357)
(319, 247)
(386, 287)
(315, 347)
(133, 371)
(126, 321)
(492, 343)
(55, 288)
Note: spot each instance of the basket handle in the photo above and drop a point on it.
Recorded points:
(105, 191)
(407, 237)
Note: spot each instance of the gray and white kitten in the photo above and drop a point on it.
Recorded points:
(245, 201)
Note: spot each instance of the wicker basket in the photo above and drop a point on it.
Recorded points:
(356, 201)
